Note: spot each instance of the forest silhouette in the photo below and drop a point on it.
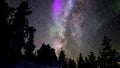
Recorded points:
(16, 34)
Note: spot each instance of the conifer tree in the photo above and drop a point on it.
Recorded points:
(92, 60)
(80, 61)
(62, 60)
(5, 34)
(72, 63)
(20, 31)
(46, 55)
(29, 46)
(109, 56)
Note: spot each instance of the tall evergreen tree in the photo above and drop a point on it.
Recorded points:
(87, 65)
(46, 55)
(5, 34)
(92, 60)
(30, 44)
(72, 63)
(80, 61)
(62, 60)
(99, 62)
(4, 26)
(19, 30)
(109, 57)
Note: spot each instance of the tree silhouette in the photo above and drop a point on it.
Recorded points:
(109, 56)
(30, 44)
(72, 63)
(5, 33)
(80, 61)
(99, 62)
(62, 60)
(87, 65)
(92, 60)
(4, 26)
(46, 55)
(19, 27)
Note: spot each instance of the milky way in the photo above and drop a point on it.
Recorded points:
(74, 25)
(60, 11)
(66, 15)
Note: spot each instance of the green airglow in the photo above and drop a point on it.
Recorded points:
(52, 31)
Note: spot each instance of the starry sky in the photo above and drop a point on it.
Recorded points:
(74, 25)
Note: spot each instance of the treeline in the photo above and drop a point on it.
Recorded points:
(15, 33)
(17, 44)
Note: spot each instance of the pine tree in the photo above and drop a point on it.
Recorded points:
(4, 26)
(87, 65)
(46, 55)
(80, 61)
(109, 56)
(19, 27)
(5, 34)
(62, 60)
(72, 63)
(29, 46)
(92, 60)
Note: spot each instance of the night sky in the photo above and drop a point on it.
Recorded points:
(74, 25)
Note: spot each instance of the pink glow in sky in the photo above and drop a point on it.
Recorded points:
(60, 12)
(57, 7)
